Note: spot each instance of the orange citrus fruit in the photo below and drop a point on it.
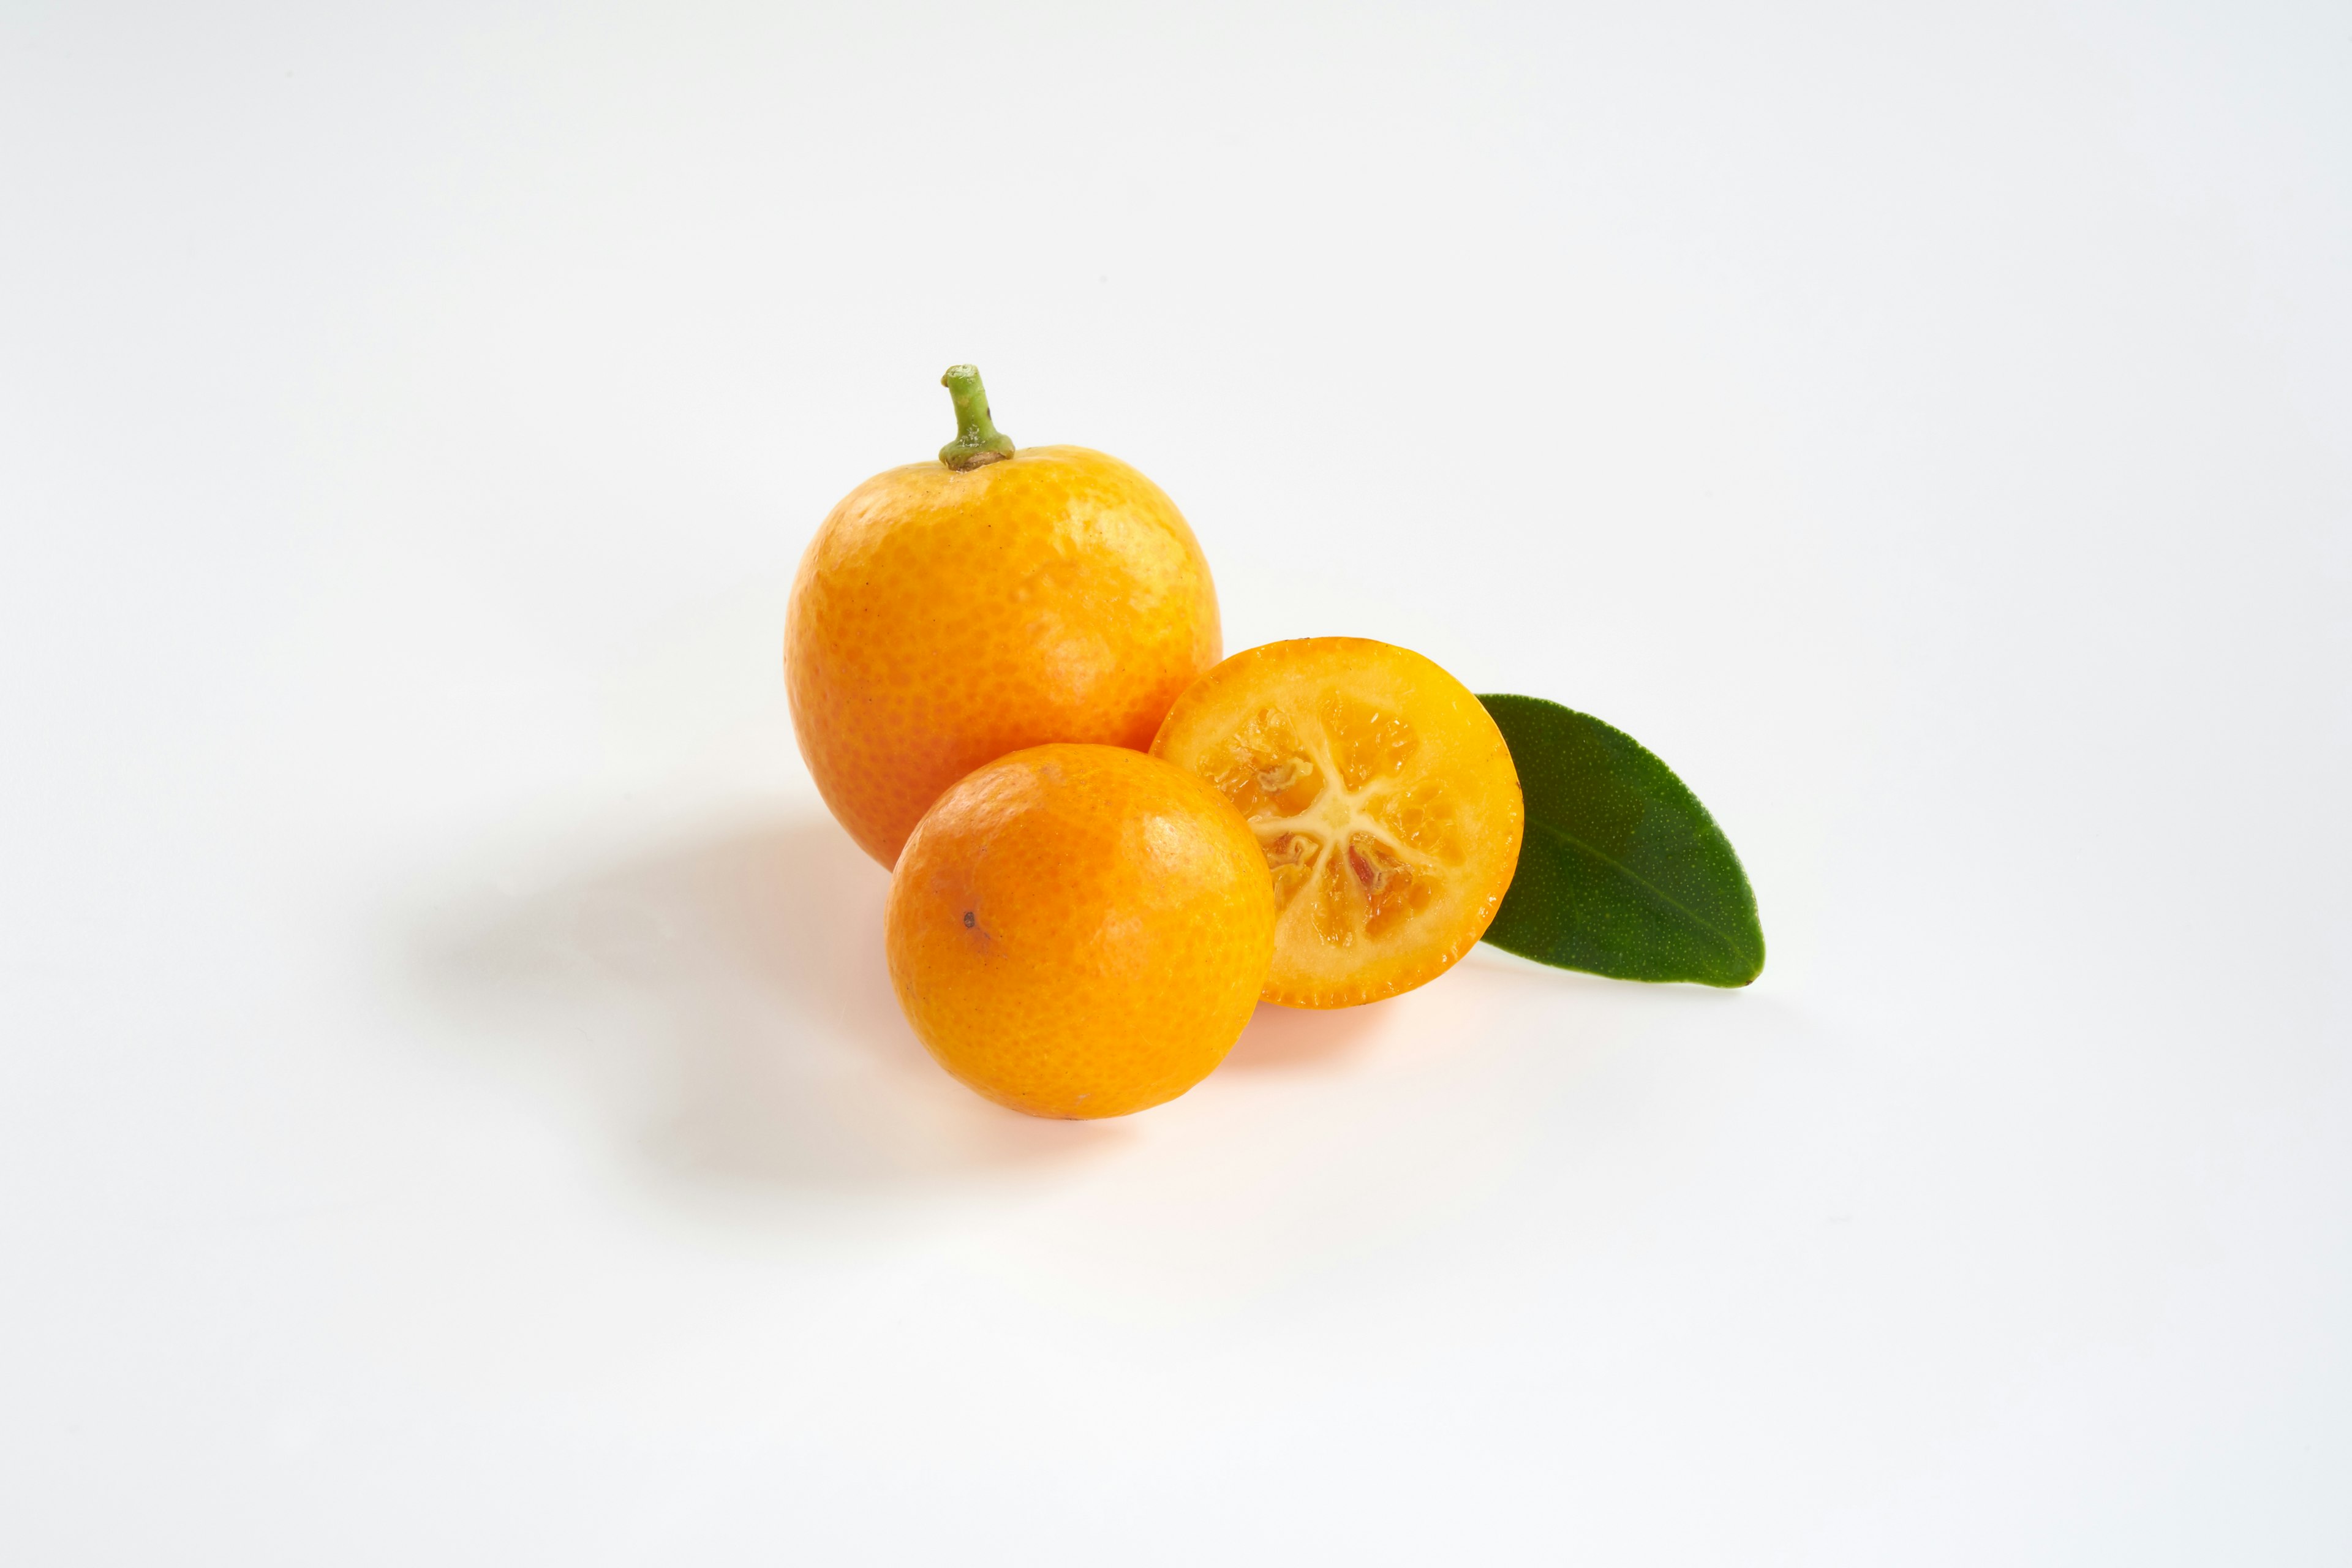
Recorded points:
(949, 612)
(1382, 794)
(1080, 931)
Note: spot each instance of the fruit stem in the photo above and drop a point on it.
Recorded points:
(977, 439)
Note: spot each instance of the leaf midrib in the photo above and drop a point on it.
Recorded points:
(1738, 949)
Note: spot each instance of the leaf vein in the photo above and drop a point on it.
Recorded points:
(1738, 948)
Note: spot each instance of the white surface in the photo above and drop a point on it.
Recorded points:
(452, 1109)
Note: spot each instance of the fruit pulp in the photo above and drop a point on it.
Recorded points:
(1382, 795)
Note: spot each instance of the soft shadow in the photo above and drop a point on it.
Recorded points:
(727, 995)
(1281, 1038)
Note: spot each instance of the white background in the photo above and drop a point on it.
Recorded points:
(452, 1108)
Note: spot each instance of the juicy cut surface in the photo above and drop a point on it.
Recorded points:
(1383, 796)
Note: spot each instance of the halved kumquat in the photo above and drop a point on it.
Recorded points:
(1383, 797)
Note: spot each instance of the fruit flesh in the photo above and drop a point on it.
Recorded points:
(1384, 800)
(1080, 931)
(941, 618)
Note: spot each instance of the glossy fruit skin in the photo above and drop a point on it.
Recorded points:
(1418, 773)
(1080, 931)
(943, 617)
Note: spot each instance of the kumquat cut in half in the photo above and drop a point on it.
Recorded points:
(1383, 796)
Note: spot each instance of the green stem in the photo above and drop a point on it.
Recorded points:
(977, 439)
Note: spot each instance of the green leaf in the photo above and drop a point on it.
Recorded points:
(1622, 871)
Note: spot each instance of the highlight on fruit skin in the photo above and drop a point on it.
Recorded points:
(950, 611)
(1383, 798)
(1080, 931)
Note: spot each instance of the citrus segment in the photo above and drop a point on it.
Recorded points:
(1383, 798)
